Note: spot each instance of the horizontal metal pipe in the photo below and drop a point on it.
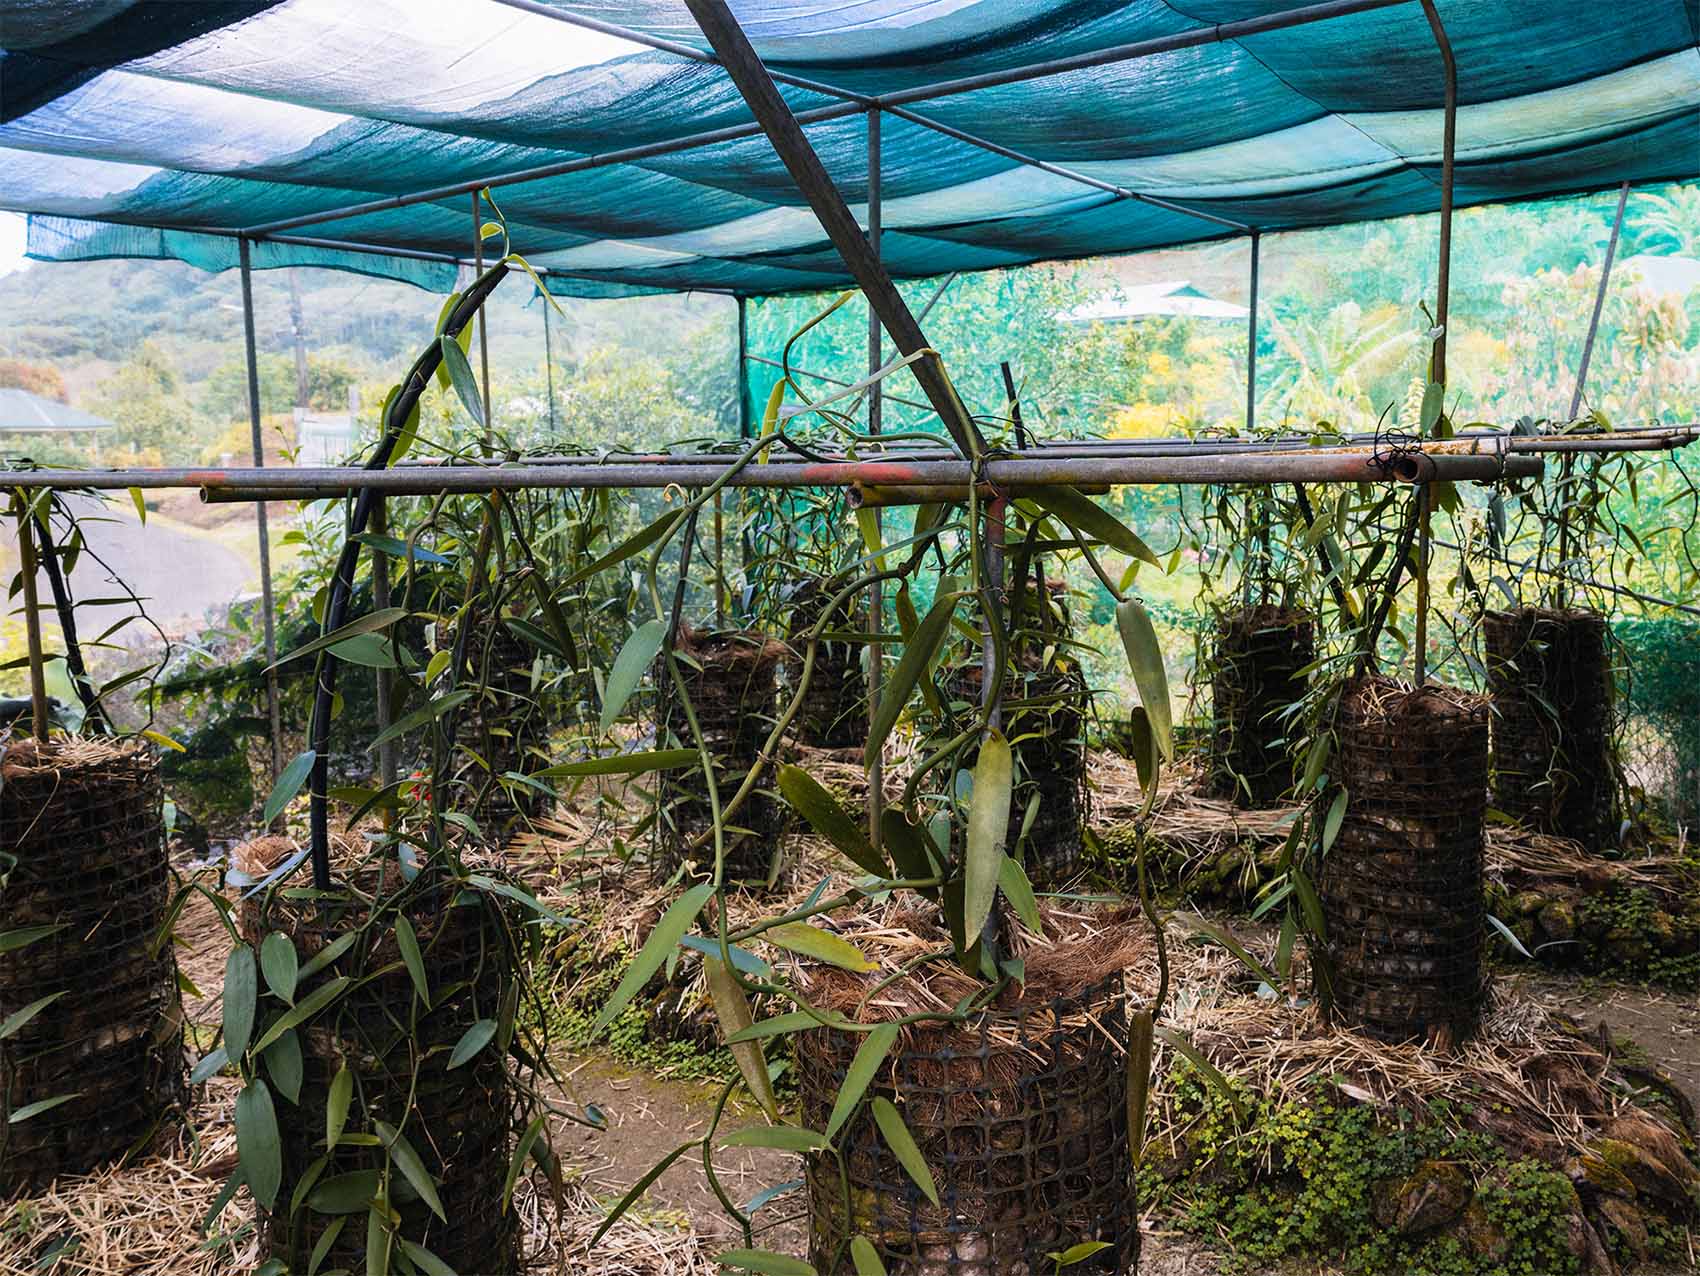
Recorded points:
(1354, 466)
(865, 496)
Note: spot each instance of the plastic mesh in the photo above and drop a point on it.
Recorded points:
(1550, 678)
(1260, 653)
(461, 1122)
(1402, 885)
(730, 680)
(86, 832)
(1022, 1120)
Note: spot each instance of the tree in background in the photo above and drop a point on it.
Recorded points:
(37, 378)
(153, 415)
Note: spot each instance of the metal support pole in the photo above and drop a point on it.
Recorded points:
(381, 600)
(1599, 302)
(32, 619)
(483, 319)
(268, 604)
(746, 430)
(1443, 290)
(1251, 339)
(876, 592)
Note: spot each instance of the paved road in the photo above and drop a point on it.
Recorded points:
(182, 576)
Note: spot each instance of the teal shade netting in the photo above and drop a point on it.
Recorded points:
(160, 129)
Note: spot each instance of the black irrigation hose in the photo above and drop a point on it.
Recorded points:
(92, 710)
(342, 584)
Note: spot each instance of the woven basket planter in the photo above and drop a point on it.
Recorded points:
(1402, 885)
(1021, 1117)
(1260, 656)
(82, 847)
(461, 1121)
(1549, 676)
(733, 689)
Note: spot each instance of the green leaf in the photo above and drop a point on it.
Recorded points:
(1209, 1071)
(765, 1262)
(419, 717)
(347, 1193)
(328, 954)
(408, 942)
(241, 993)
(522, 1149)
(636, 655)
(258, 1143)
(639, 1188)
(18, 1018)
(460, 376)
(1224, 937)
(39, 1106)
(395, 547)
(866, 1257)
(1138, 1079)
(424, 1259)
(869, 1055)
(1145, 658)
(1509, 937)
(917, 655)
(280, 965)
(823, 945)
(1012, 879)
(308, 1006)
(1331, 825)
(868, 522)
(910, 848)
(783, 1138)
(141, 504)
(210, 1065)
(1146, 759)
(164, 741)
(471, 1042)
(284, 1065)
(902, 1144)
(322, 1247)
(621, 764)
(1309, 903)
(24, 936)
(776, 1026)
(988, 826)
(507, 890)
(369, 651)
(336, 1106)
(634, 544)
(1078, 1253)
(732, 1008)
(1434, 400)
(661, 942)
(408, 1162)
(368, 624)
(288, 784)
(1093, 522)
(829, 819)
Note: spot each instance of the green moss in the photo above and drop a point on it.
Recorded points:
(1304, 1174)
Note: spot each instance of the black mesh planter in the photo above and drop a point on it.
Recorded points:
(461, 1121)
(505, 725)
(1260, 656)
(731, 681)
(1044, 721)
(1550, 679)
(1022, 1120)
(834, 711)
(1402, 885)
(82, 850)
